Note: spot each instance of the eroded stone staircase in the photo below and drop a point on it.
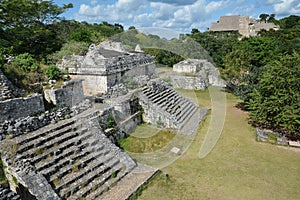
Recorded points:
(163, 104)
(75, 157)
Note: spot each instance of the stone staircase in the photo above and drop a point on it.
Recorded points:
(75, 157)
(162, 103)
(7, 194)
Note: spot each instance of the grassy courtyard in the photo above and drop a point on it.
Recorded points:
(237, 168)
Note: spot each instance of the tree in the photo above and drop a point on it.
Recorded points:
(272, 19)
(81, 35)
(263, 17)
(26, 25)
(194, 30)
(275, 103)
(131, 28)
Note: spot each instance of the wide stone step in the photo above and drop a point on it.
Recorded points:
(182, 106)
(21, 140)
(66, 177)
(84, 161)
(187, 113)
(168, 103)
(167, 97)
(53, 144)
(172, 94)
(156, 94)
(87, 175)
(43, 139)
(100, 184)
(176, 106)
(62, 147)
(69, 154)
(161, 96)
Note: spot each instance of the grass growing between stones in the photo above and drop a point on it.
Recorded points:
(146, 144)
(2, 175)
(238, 167)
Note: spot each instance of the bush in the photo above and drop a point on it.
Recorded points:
(26, 62)
(111, 122)
(53, 72)
(69, 48)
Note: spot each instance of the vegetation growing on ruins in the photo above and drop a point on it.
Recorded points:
(110, 122)
(2, 175)
(34, 33)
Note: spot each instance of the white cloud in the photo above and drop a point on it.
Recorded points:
(272, 2)
(243, 10)
(216, 5)
(287, 7)
(121, 11)
(175, 2)
(176, 14)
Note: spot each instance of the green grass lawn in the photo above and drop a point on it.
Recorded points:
(138, 142)
(237, 168)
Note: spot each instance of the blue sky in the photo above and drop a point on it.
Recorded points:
(177, 15)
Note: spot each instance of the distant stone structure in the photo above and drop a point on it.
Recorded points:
(245, 25)
(196, 74)
(107, 65)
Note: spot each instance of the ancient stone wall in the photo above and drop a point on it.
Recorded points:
(126, 113)
(104, 67)
(196, 74)
(189, 82)
(94, 84)
(6, 88)
(270, 136)
(70, 94)
(21, 107)
(144, 69)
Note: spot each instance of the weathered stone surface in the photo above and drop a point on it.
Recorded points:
(245, 25)
(74, 157)
(70, 94)
(21, 107)
(7, 194)
(12, 128)
(102, 68)
(163, 106)
(6, 88)
(270, 136)
(196, 74)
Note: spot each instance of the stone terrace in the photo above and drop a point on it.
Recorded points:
(74, 156)
(162, 104)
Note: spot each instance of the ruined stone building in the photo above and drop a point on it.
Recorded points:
(70, 152)
(245, 25)
(107, 65)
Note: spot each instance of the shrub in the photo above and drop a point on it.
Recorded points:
(26, 62)
(53, 72)
(111, 122)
